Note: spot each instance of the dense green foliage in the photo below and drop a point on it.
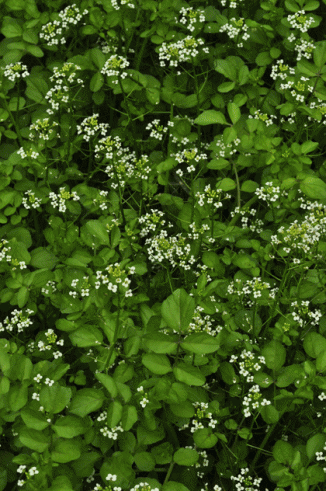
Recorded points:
(162, 241)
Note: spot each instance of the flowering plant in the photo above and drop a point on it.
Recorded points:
(162, 241)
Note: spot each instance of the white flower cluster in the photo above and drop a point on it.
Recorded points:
(17, 319)
(247, 481)
(159, 130)
(112, 432)
(271, 193)
(59, 94)
(31, 472)
(281, 71)
(123, 169)
(253, 227)
(167, 247)
(70, 15)
(300, 21)
(115, 277)
(43, 128)
(307, 234)
(89, 126)
(15, 71)
(263, 117)
(183, 50)
(234, 29)
(113, 66)
(250, 363)
(251, 287)
(33, 201)
(211, 197)
(152, 222)
(192, 16)
(201, 414)
(62, 197)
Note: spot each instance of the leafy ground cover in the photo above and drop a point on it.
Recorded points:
(163, 219)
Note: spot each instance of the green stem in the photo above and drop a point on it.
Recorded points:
(169, 472)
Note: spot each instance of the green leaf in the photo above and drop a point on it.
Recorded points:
(21, 367)
(86, 401)
(186, 456)
(309, 146)
(275, 355)
(263, 59)
(249, 186)
(156, 363)
(319, 54)
(283, 452)
(36, 440)
(84, 337)
(314, 444)
(3, 479)
(144, 461)
(269, 414)
(188, 374)
(54, 399)
(184, 410)
(129, 417)
(243, 261)
(178, 309)
(200, 343)
(34, 419)
(65, 451)
(226, 87)
(205, 438)
(11, 27)
(114, 413)
(226, 184)
(226, 67)
(210, 117)
(61, 483)
(94, 232)
(234, 112)
(108, 382)
(313, 187)
(314, 344)
(70, 426)
(174, 486)
(96, 82)
(18, 396)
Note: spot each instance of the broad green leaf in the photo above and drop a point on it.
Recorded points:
(243, 261)
(313, 187)
(184, 410)
(148, 437)
(321, 362)
(249, 186)
(226, 87)
(226, 184)
(129, 417)
(210, 117)
(186, 456)
(114, 413)
(178, 309)
(288, 375)
(65, 325)
(18, 396)
(234, 112)
(275, 354)
(65, 451)
(319, 54)
(160, 342)
(283, 452)
(87, 336)
(269, 414)
(84, 466)
(156, 363)
(188, 374)
(21, 367)
(42, 258)
(86, 401)
(108, 382)
(226, 67)
(11, 28)
(34, 419)
(144, 461)
(70, 426)
(314, 344)
(205, 438)
(309, 146)
(94, 232)
(3, 478)
(200, 343)
(55, 398)
(174, 486)
(314, 444)
(33, 439)
(61, 483)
